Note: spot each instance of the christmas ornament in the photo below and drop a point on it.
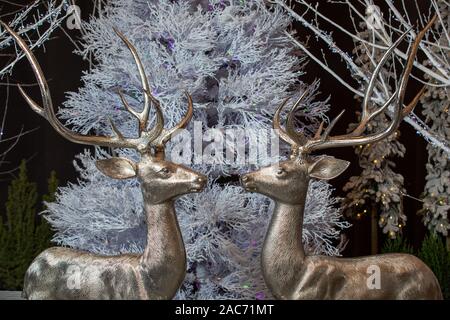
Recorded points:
(64, 273)
(288, 272)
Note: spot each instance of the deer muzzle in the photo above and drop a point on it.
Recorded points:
(248, 182)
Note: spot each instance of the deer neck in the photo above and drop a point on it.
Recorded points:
(283, 254)
(165, 247)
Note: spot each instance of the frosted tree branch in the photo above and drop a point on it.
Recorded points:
(30, 23)
(438, 75)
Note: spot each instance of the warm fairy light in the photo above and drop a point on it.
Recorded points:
(400, 226)
(375, 161)
(365, 210)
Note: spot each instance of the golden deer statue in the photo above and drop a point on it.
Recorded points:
(64, 273)
(288, 271)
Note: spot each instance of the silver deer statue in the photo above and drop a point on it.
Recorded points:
(64, 273)
(288, 271)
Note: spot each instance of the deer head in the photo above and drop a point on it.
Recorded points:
(287, 181)
(161, 180)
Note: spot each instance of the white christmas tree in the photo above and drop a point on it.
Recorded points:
(436, 107)
(237, 63)
(377, 190)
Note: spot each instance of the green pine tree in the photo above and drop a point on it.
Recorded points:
(397, 245)
(435, 254)
(44, 233)
(23, 234)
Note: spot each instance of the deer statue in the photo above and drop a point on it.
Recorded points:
(290, 273)
(64, 273)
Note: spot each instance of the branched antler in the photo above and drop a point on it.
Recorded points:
(156, 137)
(322, 138)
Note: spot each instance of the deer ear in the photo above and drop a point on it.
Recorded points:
(117, 168)
(327, 168)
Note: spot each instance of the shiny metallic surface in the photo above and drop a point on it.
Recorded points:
(64, 273)
(288, 271)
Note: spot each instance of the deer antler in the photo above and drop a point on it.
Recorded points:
(157, 136)
(354, 138)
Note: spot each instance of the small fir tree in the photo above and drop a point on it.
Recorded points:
(397, 245)
(434, 253)
(23, 234)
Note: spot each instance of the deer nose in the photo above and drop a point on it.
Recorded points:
(201, 179)
(244, 180)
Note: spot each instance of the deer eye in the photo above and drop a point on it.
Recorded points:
(165, 172)
(281, 172)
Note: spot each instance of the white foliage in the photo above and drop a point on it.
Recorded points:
(436, 196)
(235, 62)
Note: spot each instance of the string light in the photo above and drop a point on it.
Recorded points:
(424, 131)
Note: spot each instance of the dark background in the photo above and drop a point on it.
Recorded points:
(47, 151)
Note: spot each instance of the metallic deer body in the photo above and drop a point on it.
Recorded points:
(64, 273)
(287, 270)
